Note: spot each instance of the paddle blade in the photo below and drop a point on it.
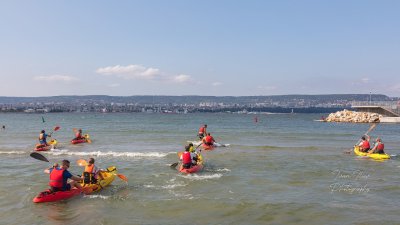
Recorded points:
(81, 162)
(173, 165)
(38, 156)
(179, 154)
(56, 128)
(123, 177)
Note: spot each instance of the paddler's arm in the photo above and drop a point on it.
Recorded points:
(76, 178)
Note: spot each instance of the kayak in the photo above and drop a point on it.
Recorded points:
(83, 140)
(108, 177)
(371, 155)
(208, 147)
(48, 196)
(216, 144)
(42, 147)
(193, 169)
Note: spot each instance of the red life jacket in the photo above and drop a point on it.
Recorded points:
(209, 139)
(56, 178)
(380, 147)
(202, 130)
(78, 135)
(366, 145)
(186, 158)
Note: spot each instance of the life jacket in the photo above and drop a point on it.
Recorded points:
(380, 147)
(365, 145)
(209, 139)
(88, 175)
(56, 178)
(202, 130)
(78, 135)
(89, 169)
(186, 158)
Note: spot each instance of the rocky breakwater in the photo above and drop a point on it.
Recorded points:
(354, 117)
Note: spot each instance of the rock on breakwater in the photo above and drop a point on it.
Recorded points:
(354, 117)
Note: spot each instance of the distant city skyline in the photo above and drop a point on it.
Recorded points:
(215, 48)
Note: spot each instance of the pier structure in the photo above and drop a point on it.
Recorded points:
(390, 110)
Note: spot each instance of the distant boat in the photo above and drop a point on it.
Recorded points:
(292, 111)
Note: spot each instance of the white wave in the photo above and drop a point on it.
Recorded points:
(97, 196)
(13, 152)
(167, 187)
(114, 154)
(223, 170)
(202, 177)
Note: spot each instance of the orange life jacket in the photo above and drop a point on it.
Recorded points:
(56, 178)
(89, 169)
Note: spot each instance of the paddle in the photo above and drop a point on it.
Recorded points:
(366, 133)
(82, 162)
(55, 129)
(173, 165)
(39, 156)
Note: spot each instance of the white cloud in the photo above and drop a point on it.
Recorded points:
(215, 84)
(130, 72)
(182, 78)
(140, 72)
(53, 78)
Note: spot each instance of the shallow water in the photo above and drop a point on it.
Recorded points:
(285, 169)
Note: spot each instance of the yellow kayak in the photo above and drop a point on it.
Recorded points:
(371, 155)
(108, 177)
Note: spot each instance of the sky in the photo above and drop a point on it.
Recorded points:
(208, 47)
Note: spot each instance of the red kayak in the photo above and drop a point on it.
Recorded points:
(43, 147)
(86, 138)
(48, 196)
(74, 141)
(208, 147)
(192, 169)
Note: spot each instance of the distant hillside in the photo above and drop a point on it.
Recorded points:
(194, 99)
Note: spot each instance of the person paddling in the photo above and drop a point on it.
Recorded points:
(43, 138)
(378, 147)
(364, 144)
(91, 173)
(59, 178)
(208, 140)
(78, 135)
(188, 158)
(202, 131)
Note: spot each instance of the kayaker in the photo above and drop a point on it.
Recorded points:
(78, 135)
(191, 148)
(91, 173)
(59, 177)
(202, 131)
(364, 144)
(42, 137)
(378, 147)
(188, 159)
(208, 140)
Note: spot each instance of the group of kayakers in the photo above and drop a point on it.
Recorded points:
(59, 176)
(43, 137)
(365, 146)
(190, 157)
